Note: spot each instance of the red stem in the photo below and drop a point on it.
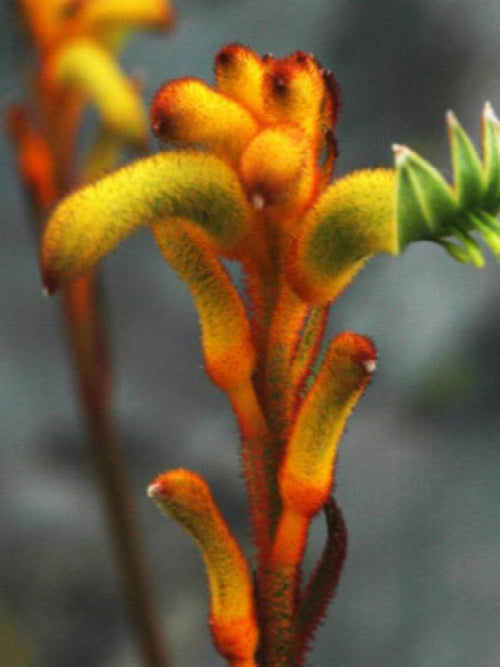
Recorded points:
(85, 336)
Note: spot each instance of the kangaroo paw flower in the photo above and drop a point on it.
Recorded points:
(239, 73)
(353, 219)
(187, 111)
(306, 473)
(225, 330)
(125, 14)
(367, 212)
(185, 496)
(246, 175)
(53, 22)
(92, 221)
(89, 69)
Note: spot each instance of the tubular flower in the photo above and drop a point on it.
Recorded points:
(383, 211)
(247, 177)
(185, 497)
(54, 22)
(272, 121)
(77, 40)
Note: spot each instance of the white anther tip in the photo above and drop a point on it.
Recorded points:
(154, 490)
(258, 201)
(370, 366)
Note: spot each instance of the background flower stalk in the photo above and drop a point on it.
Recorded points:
(77, 44)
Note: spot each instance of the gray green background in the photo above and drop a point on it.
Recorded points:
(419, 467)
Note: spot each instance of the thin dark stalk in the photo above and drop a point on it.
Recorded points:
(124, 531)
(84, 333)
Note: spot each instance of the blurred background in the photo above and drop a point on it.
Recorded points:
(419, 467)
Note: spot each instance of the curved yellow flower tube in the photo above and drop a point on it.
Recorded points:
(185, 497)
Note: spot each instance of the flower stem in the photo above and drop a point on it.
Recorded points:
(257, 464)
(288, 319)
(84, 333)
(279, 588)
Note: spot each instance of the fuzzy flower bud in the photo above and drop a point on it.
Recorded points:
(185, 496)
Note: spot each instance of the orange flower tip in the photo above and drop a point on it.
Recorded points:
(232, 56)
(258, 201)
(168, 483)
(227, 55)
(333, 89)
(361, 350)
(401, 154)
(162, 114)
(224, 57)
(188, 111)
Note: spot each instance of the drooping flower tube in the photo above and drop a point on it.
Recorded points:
(185, 496)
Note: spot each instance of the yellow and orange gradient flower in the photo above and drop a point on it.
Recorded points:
(246, 175)
(77, 42)
(186, 497)
(268, 123)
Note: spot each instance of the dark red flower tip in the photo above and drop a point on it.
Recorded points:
(280, 78)
(227, 56)
(333, 90)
